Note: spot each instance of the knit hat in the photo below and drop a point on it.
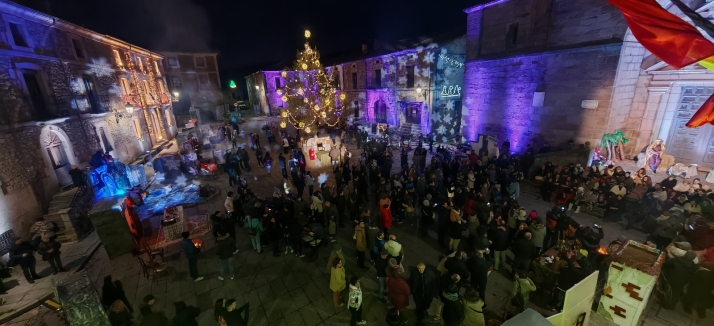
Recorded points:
(426, 202)
(384, 252)
(337, 247)
(393, 262)
(691, 255)
(672, 176)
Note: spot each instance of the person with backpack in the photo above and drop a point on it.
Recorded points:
(255, 229)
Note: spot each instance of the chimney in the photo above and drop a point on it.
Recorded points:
(364, 48)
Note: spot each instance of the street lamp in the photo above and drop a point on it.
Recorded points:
(129, 108)
(422, 92)
(176, 94)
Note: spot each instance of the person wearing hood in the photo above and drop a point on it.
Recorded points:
(423, 284)
(398, 290)
(669, 183)
(453, 311)
(520, 294)
(336, 253)
(700, 297)
(337, 280)
(473, 309)
(537, 231)
(676, 273)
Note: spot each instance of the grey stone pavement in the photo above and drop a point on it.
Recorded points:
(286, 291)
(22, 295)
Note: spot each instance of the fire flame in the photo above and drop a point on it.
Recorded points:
(602, 251)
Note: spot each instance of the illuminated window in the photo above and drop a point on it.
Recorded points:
(203, 80)
(175, 80)
(156, 67)
(200, 62)
(168, 116)
(162, 90)
(147, 90)
(137, 128)
(173, 62)
(125, 88)
(139, 62)
(117, 59)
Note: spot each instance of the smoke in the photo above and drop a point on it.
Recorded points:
(178, 25)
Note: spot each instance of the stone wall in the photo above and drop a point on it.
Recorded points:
(541, 24)
(499, 96)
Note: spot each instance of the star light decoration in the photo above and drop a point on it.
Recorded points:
(310, 93)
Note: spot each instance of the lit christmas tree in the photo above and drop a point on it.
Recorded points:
(311, 94)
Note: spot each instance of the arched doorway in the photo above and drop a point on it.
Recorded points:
(380, 112)
(59, 153)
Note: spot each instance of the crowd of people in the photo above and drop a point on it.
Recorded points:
(468, 199)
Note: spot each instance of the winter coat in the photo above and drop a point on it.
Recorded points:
(668, 228)
(224, 247)
(361, 238)
(499, 239)
(337, 279)
(524, 249)
(398, 292)
(458, 266)
(538, 232)
(453, 311)
(479, 267)
(455, 230)
(386, 216)
(189, 249)
(677, 271)
(355, 297)
(526, 286)
(423, 285)
(473, 313)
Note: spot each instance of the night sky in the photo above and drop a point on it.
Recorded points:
(250, 35)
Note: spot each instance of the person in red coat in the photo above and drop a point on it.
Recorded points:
(398, 290)
(386, 216)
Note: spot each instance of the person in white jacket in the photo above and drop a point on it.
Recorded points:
(355, 302)
(228, 204)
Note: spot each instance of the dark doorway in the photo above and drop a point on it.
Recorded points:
(380, 112)
(37, 98)
(91, 94)
(412, 112)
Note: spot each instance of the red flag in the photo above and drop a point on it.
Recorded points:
(667, 36)
(704, 115)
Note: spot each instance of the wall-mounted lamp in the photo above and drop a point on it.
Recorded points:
(257, 88)
(175, 97)
(129, 111)
(422, 92)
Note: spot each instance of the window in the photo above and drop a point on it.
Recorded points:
(380, 112)
(77, 46)
(337, 83)
(167, 113)
(277, 82)
(35, 93)
(354, 80)
(175, 80)
(103, 138)
(203, 79)
(139, 62)
(377, 78)
(147, 90)
(156, 67)
(57, 154)
(173, 62)
(125, 88)
(200, 62)
(91, 93)
(410, 76)
(162, 90)
(117, 59)
(137, 128)
(512, 35)
(355, 108)
(18, 34)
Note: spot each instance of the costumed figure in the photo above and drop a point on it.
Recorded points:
(654, 157)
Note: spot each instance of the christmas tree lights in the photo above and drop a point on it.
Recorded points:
(311, 95)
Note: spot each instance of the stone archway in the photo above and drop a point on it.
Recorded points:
(58, 153)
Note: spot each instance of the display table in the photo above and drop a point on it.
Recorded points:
(324, 157)
(320, 143)
(173, 230)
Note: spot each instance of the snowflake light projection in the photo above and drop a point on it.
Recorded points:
(322, 178)
(101, 68)
(429, 57)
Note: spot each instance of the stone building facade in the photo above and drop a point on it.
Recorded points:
(554, 70)
(66, 92)
(397, 87)
(541, 70)
(194, 81)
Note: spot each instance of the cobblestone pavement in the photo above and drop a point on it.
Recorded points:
(286, 291)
